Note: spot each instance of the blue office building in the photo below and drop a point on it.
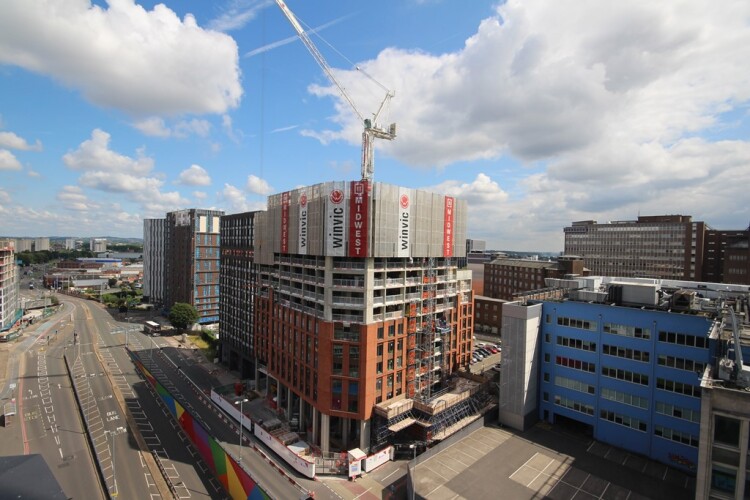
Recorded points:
(631, 374)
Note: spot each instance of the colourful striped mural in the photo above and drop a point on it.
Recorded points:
(234, 479)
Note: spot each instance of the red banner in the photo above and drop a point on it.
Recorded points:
(285, 222)
(448, 227)
(358, 219)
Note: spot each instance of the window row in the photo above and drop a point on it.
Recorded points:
(582, 324)
(625, 398)
(676, 436)
(683, 339)
(627, 331)
(626, 375)
(681, 363)
(623, 420)
(627, 353)
(575, 385)
(584, 345)
(678, 387)
(575, 364)
(678, 412)
(574, 405)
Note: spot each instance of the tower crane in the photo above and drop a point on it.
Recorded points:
(372, 129)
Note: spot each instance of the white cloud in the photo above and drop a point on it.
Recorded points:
(72, 198)
(237, 14)
(256, 185)
(199, 195)
(153, 126)
(8, 161)
(184, 128)
(4, 197)
(11, 141)
(164, 65)
(33, 173)
(600, 107)
(195, 175)
(94, 154)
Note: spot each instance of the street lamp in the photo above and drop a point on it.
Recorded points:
(241, 401)
(414, 473)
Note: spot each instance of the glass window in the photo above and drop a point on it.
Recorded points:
(726, 430)
(723, 479)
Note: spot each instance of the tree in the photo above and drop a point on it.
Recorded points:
(182, 315)
(112, 282)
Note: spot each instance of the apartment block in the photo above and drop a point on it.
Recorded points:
(359, 306)
(191, 261)
(661, 246)
(97, 245)
(237, 281)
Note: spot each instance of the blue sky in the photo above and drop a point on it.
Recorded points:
(537, 113)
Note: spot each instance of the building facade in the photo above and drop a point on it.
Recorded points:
(488, 315)
(736, 265)
(191, 261)
(662, 246)
(98, 245)
(631, 375)
(507, 278)
(31, 244)
(359, 303)
(10, 310)
(237, 279)
(154, 243)
(723, 470)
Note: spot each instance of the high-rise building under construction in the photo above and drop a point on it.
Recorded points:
(359, 303)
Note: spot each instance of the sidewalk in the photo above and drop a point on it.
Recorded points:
(364, 487)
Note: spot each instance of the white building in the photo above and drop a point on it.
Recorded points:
(9, 305)
(98, 245)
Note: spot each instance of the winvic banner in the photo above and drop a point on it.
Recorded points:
(403, 241)
(302, 229)
(336, 220)
(448, 227)
(358, 219)
(285, 222)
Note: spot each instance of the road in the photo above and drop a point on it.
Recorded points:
(122, 466)
(49, 418)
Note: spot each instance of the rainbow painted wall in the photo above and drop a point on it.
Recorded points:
(234, 479)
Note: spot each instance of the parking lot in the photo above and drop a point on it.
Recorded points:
(543, 463)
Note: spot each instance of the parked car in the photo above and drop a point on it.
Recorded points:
(484, 351)
(478, 355)
(493, 349)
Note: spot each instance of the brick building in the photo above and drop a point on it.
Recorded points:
(507, 278)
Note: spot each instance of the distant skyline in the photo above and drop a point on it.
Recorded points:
(537, 113)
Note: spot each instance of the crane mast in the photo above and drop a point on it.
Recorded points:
(371, 128)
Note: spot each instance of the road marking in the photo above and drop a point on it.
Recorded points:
(60, 450)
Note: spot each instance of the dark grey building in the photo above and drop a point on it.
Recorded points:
(237, 279)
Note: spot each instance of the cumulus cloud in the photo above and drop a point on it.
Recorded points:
(8, 161)
(94, 154)
(156, 127)
(165, 65)
(602, 114)
(4, 197)
(72, 198)
(256, 185)
(12, 141)
(199, 195)
(195, 175)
